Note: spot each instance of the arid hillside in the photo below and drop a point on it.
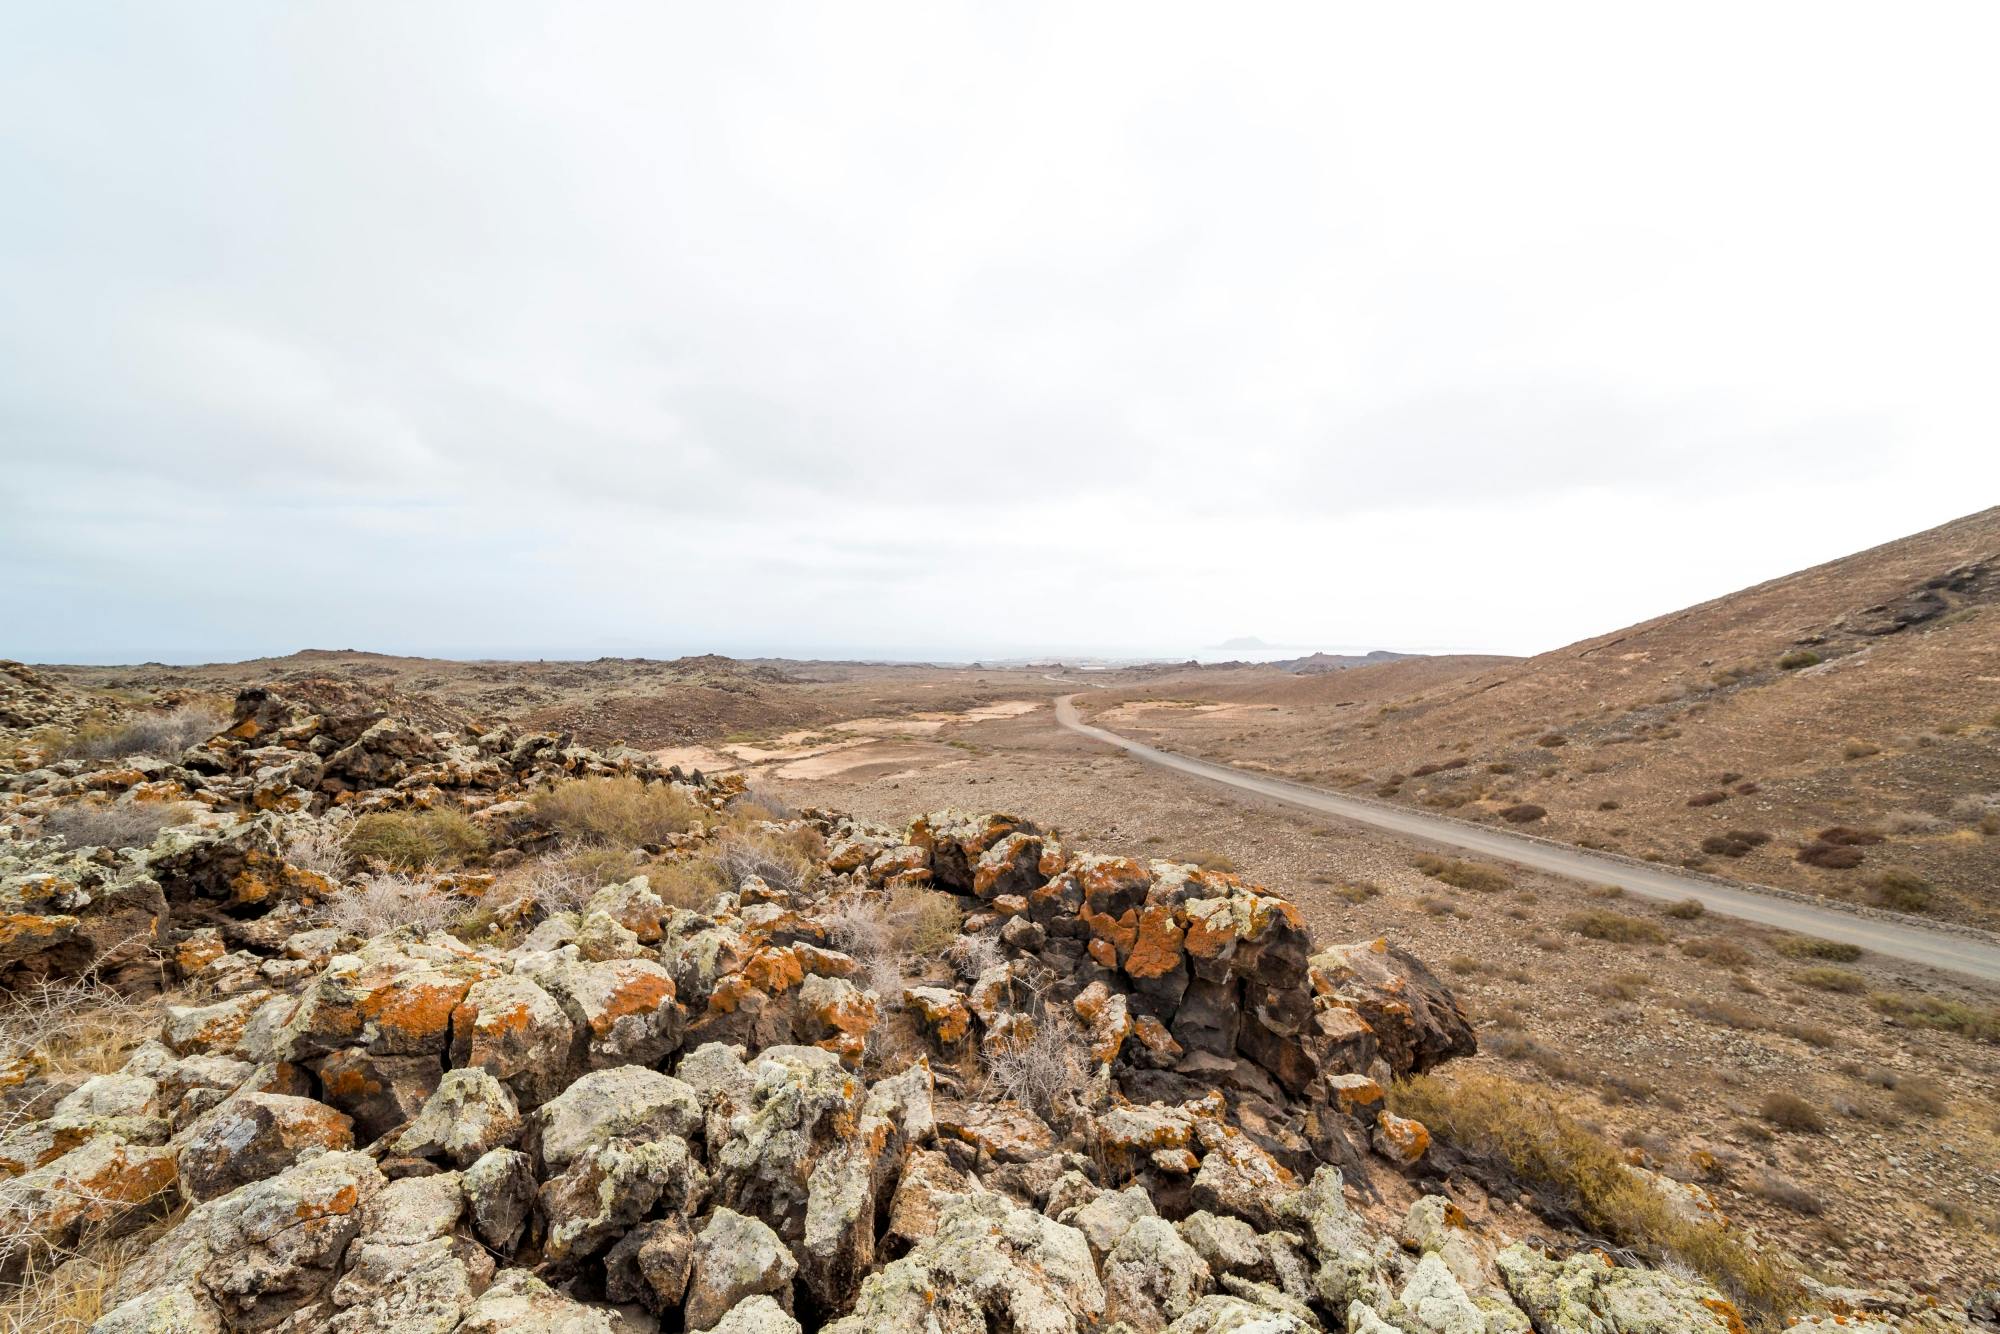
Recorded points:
(1836, 730)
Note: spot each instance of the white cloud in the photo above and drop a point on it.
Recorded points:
(948, 328)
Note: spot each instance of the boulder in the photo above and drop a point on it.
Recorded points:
(519, 1034)
(1152, 1277)
(735, 1257)
(252, 1136)
(470, 1114)
(630, 1102)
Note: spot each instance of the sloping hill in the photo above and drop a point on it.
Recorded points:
(1864, 693)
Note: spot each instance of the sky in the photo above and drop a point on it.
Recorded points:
(967, 330)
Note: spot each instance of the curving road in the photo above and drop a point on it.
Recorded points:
(1898, 938)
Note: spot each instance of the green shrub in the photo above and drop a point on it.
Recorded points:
(1525, 812)
(1797, 658)
(1600, 924)
(1209, 861)
(1718, 950)
(623, 811)
(413, 840)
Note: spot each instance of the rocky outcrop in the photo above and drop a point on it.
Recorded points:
(1129, 1096)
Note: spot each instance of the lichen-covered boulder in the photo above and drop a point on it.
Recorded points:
(990, 1264)
(1588, 1294)
(499, 1195)
(736, 1257)
(520, 1303)
(609, 1187)
(519, 1034)
(470, 1113)
(629, 1102)
(1152, 1276)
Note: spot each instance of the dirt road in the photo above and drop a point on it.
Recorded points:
(1968, 955)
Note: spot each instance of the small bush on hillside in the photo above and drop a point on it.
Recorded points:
(691, 884)
(1209, 861)
(1522, 813)
(161, 735)
(1788, 1111)
(1708, 799)
(319, 846)
(1607, 805)
(1857, 749)
(1551, 740)
(1972, 1021)
(1912, 822)
(414, 840)
(133, 825)
(622, 811)
(923, 923)
(1797, 658)
(1718, 950)
(1787, 1194)
(1514, 1127)
(1831, 979)
(1845, 836)
(1477, 876)
(1812, 947)
(783, 861)
(1899, 890)
(1686, 910)
(1499, 767)
(1830, 856)
(1039, 1061)
(1617, 928)
(380, 903)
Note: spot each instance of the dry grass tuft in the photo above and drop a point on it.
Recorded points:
(1559, 1158)
(414, 840)
(161, 735)
(1972, 1021)
(1812, 947)
(379, 903)
(1477, 876)
(131, 825)
(1788, 1111)
(1617, 928)
(620, 811)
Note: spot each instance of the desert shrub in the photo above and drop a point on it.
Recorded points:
(1619, 929)
(1787, 1194)
(1558, 1157)
(414, 840)
(1972, 1021)
(1686, 910)
(1514, 1046)
(1974, 807)
(1845, 836)
(1842, 980)
(1208, 861)
(1830, 856)
(1729, 676)
(1900, 890)
(131, 825)
(375, 904)
(619, 810)
(1525, 812)
(785, 862)
(1551, 740)
(691, 884)
(319, 846)
(1623, 986)
(1359, 892)
(1708, 799)
(1607, 805)
(1921, 1097)
(923, 922)
(1727, 1014)
(1856, 749)
(1718, 950)
(75, 1025)
(1436, 906)
(1797, 658)
(1477, 876)
(1812, 947)
(595, 864)
(1500, 767)
(161, 735)
(1043, 1057)
(1912, 822)
(1426, 770)
(1747, 789)
(1788, 1111)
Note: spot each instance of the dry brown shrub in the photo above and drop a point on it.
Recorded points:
(1616, 928)
(133, 824)
(1788, 1111)
(1540, 1144)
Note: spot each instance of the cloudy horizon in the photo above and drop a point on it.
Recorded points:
(949, 331)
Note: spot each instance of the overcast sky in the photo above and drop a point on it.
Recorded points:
(496, 328)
